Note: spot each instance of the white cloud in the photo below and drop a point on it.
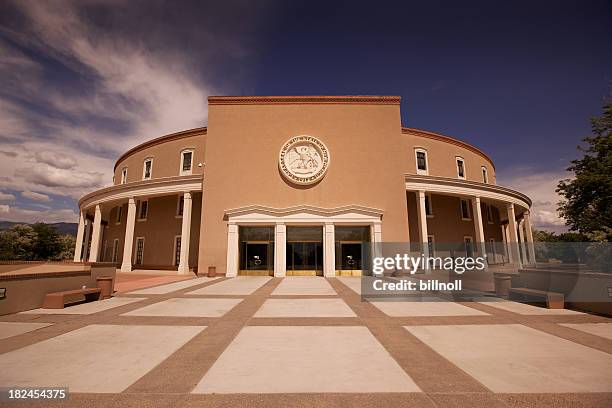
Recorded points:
(32, 195)
(56, 159)
(30, 216)
(6, 197)
(127, 93)
(540, 187)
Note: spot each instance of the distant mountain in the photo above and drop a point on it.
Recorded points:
(61, 227)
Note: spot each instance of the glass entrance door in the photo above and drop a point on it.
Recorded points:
(256, 251)
(304, 251)
(352, 250)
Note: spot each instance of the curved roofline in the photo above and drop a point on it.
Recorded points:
(158, 140)
(448, 139)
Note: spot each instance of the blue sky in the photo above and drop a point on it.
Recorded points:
(82, 81)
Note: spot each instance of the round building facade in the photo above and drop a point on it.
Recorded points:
(300, 186)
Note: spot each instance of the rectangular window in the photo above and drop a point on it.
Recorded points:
(421, 159)
(465, 210)
(124, 176)
(148, 169)
(428, 209)
(485, 175)
(144, 210)
(139, 256)
(489, 213)
(180, 203)
(177, 250)
(186, 162)
(119, 211)
(460, 168)
(115, 251)
(430, 245)
(469, 247)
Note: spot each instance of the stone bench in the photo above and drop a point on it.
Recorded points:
(554, 300)
(57, 300)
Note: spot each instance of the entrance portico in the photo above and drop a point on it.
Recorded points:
(282, 219)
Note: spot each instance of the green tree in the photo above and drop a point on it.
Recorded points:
(47, 244)
(17, 243)
(587, 204)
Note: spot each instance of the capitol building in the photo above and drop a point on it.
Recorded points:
(300, 185)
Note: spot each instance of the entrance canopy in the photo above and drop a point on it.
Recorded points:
(303, 215)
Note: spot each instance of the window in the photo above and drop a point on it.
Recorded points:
(139, 255)
(119, 211)
(428, 207)
(421, 161)
(469, 247)
(465, 210)
(485, 175)
(144, 210)
(124, 175)
(115, 251)
(186, 162)
(147, 169)
(180, 203)
(460, 167)
(430, 245)
(177, 250)
(489, 211)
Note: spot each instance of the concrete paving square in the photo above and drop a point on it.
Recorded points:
(305, 308)
(187, 307)
(426, 308)
(525, 309)
(598, 329)
(240, 286)
(171, 287)
(10, 329)
(518, 359)
(304, 285)
(89, 307)
(353, 283)
(298, 359)
(96, 358)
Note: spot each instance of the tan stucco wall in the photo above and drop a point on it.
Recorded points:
(166, 158)
(441, 158)
(243, 142)
(159, 231)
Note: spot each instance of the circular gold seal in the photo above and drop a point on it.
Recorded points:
(303, 160)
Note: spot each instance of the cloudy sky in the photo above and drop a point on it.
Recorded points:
(82, 81)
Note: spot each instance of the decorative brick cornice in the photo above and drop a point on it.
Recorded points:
(291, 100)
(448, 139)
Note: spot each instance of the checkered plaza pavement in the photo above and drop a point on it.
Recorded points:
(305, 341)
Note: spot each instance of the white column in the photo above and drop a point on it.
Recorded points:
(521, 226)
(422, 216)
(329, 250)
(478, 228)
(280, 250)
(231, 269)
(503, 233)
(95, 235)
(513, 252)
(85, 254)
(130, 221)
(529, 232)
(183, 267)
(376, 237)
(78, 247)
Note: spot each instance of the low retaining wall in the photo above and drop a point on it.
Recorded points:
(588, 291)
(26, 291)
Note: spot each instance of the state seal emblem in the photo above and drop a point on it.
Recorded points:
(303, 160)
